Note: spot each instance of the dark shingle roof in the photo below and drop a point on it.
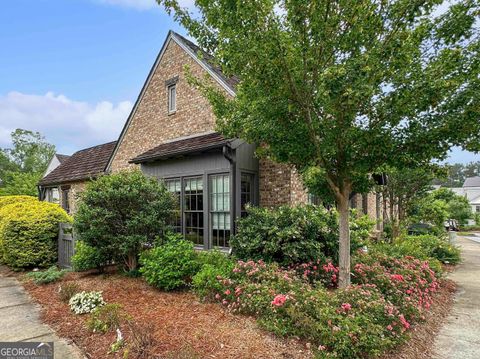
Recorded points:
(472, 182)
(183, 146)
(209, 61)
(62, 158)
(83, 164)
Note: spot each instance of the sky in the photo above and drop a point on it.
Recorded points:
(72, 69)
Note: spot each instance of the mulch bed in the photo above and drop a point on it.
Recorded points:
(182, 326)
(186, 328)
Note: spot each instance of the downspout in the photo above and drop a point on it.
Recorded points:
(230, 155)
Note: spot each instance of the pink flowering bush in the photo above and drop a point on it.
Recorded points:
(371, 316)
(319, 272)
(408, 282)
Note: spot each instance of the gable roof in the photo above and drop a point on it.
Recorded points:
(61, 158)
(205, 61)
(179, 147)
(84, 164)
(472, 182)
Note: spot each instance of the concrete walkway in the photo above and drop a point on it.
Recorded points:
(460, 336)
(20, 320)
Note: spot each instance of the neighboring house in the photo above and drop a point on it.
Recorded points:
(63, 184)
(56, 161)
(471, 191)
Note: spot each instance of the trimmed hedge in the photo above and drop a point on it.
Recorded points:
(28, 233)
(6, 200)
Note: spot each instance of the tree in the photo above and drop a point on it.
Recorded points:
(403, 189)
(458, 206)
(344, 86)
(120, 214)
(22, 166)
(20, 183)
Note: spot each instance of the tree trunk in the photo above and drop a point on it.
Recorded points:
(344, 239)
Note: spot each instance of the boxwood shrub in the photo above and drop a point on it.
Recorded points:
(28, 233)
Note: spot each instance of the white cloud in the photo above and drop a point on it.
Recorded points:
(69, 124)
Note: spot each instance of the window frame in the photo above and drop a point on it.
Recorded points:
(226, 214)
(172, 104)
(253, 191)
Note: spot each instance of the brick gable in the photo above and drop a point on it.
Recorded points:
(151, 124)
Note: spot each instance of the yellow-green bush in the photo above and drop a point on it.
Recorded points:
(5, 200)
(28, 233)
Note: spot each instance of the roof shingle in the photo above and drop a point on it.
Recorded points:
(83, 164)
(183, 146)
(472, 182)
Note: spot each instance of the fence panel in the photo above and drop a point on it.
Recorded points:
(66, 245)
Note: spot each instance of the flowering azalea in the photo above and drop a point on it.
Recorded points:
(346, 307)
(279, 300)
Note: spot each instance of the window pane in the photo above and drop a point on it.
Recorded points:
(173, 186)
(220, 209)
(194, 209)
(246, 192)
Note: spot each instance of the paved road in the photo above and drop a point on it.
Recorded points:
(460, 336)
(20, 320)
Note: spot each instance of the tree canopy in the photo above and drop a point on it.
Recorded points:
(22, 165)
(346, 86)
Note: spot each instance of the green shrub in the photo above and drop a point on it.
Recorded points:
(28, 233)
(50, 275)
(170, 265)
(67, 290)
(121, 214)
(426, 247)
(87, 257)
(86, 302)
(105, 318)
(289, 235)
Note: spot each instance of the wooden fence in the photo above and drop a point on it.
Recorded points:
(66, 245)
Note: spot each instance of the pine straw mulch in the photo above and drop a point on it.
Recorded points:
(186, 328)
(182, 326)
(420, 345)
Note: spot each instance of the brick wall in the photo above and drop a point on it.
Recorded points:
(280, 184)
(76, 188)
(151, 124)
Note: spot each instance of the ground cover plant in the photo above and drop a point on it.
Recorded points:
(50, 275)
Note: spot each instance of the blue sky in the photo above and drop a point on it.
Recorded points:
(72, 69)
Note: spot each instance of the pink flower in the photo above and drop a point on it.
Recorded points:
(404, 322)
(217, 296)
(398, 277)
(227, 292)
(346, 307)
(279, 300)
(389, 327)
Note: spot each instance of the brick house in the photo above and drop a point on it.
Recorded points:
(170, 134)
